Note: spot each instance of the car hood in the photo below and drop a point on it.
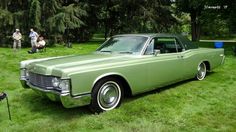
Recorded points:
(62, 66)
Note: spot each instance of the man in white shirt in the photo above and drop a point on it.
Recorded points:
(17, 39)
(33, 36)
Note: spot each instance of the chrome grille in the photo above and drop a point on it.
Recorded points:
(41, 81)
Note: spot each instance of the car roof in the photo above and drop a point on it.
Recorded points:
(184, 40)
(150, 35)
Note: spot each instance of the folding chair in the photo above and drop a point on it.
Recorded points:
(3, 96)
(42, 49)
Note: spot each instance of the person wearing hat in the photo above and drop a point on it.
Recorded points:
(17, 39)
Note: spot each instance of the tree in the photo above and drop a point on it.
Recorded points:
(134, 16)
(229, 13)
(68, 18)
(51, 18)
(35, 14)
(195, 8)
(209, 15)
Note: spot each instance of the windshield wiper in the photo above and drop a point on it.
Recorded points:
(126, 52)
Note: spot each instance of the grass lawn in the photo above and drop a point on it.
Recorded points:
(208, 105)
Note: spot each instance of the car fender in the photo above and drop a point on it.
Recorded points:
(108, 74)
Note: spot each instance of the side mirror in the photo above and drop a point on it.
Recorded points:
(156, 51)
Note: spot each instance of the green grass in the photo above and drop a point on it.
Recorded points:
(208, 105)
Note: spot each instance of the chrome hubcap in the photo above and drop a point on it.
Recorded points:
(201, 71)
(109, 95)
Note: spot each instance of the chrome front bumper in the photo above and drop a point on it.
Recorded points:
(65, 98)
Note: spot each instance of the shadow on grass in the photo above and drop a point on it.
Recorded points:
(40, 104)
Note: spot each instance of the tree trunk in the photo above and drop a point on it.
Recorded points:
(107, 23)
(198, 31)
(195, 27)
(106, 29)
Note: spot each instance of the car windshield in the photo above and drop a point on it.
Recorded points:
(124, 44)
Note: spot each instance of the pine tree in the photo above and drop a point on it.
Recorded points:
(35, 14)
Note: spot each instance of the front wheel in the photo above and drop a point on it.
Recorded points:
(106, 95)
(201, 71)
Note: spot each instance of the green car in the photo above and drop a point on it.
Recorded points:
(124, 65)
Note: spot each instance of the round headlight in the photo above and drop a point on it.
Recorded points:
(64, 85)
(55, 82)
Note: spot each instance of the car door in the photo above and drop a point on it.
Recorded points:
(166, 63)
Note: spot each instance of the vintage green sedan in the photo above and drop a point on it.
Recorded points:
(126, 64)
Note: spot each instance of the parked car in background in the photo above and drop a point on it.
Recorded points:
(126, 64)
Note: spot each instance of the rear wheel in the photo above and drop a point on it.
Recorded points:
(106, 95)
(201, 71)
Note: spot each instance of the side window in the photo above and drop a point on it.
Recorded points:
(168, 45)
(163, 45)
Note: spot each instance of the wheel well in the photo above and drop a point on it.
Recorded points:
(208, 67)
(127, 89)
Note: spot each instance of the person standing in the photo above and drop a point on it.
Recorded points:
(33, 36)
(17, 39)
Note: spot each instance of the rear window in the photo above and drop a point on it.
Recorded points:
(187, 43)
